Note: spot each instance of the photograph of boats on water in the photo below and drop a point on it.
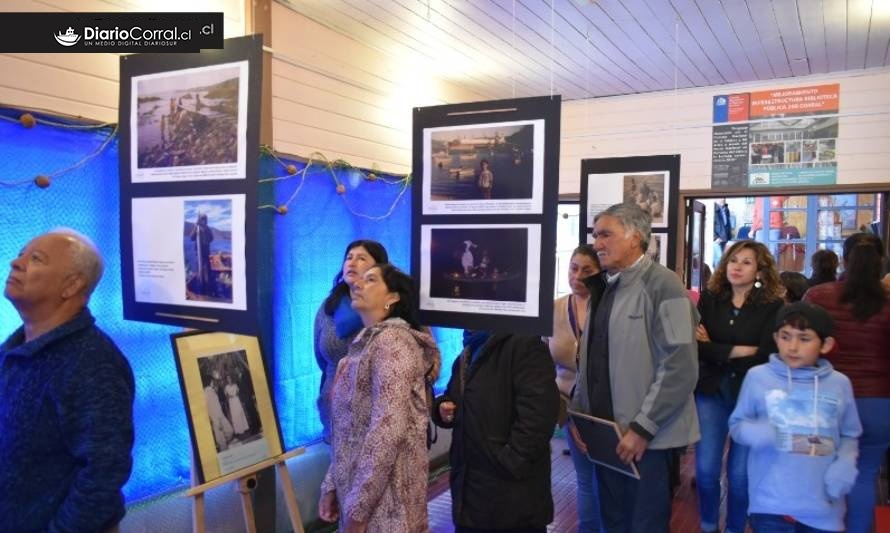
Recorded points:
(189, 124)
(493, 168)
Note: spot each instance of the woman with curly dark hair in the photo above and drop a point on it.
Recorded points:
(860, 307)
(738, 310)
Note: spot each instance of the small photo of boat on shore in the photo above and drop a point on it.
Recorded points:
(188, 119)
(207, 243)
(482, 163)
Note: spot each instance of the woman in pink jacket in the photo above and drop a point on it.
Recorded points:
(377, 479)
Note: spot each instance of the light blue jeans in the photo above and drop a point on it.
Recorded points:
(587, 493)
(713, 418)
(873, 444)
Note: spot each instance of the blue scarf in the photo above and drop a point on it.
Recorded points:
(474, 341)
(346, 320)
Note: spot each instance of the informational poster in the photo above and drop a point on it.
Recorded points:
(189, 163)
(776, 138)
(484, 225)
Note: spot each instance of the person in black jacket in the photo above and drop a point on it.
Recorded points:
(738, 311)
(502, 402)
(723, 228)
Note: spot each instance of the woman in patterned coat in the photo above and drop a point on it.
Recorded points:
(377, 480)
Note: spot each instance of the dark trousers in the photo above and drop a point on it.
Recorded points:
(773, 523)
(629, 505)
(461, 529)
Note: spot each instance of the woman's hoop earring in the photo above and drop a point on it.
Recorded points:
(386, 307)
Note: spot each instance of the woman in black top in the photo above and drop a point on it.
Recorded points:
(737, 310)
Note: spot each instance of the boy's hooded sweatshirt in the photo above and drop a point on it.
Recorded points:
(803, 430)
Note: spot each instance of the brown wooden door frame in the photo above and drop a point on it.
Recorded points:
(694, 207)
(699, 194)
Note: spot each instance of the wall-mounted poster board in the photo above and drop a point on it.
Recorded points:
(484, 203)
(189, 160)
(784, 137)
(652, 182)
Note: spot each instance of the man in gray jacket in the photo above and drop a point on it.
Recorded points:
(638, 367)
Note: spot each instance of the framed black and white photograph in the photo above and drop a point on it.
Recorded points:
(189, 124)
(492, 269)
(484, 168)
(649, 190)
(651, 182)
(657, 250)
(190, 251)
(189, 169)
(232, 420)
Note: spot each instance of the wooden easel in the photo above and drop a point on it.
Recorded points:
(246, 479)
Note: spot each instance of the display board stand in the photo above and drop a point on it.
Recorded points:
(246, 480)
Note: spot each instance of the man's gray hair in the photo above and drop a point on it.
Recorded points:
(85, 257)
(633, 218)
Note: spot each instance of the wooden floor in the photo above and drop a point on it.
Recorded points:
(684, 518)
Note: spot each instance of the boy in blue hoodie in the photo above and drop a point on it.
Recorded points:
(799, 418)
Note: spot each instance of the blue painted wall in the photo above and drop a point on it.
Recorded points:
(307, 251)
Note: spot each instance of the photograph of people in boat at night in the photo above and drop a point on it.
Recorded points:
(479, 263)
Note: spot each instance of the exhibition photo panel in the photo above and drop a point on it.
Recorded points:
(190, 251)
(492, 168)
(485, 269)
(484, 204)
(650, 182)
(189, 165)
(189, 124)
(224, 384)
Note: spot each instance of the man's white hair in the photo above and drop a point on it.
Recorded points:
(633, 218)
(85, 257)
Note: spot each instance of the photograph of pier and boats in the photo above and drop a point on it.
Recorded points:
(484, 163)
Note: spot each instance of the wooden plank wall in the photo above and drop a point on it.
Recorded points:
(85, 84)
(680, 122)
(346, 100)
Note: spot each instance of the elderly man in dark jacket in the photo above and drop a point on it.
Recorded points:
(66, 396)
(502, 402)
